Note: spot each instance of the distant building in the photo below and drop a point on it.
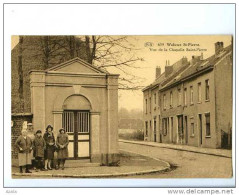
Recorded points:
(191, 102)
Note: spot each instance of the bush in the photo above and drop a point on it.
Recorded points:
(133, 135)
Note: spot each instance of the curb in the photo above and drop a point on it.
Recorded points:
(166, 168)
(180, 149)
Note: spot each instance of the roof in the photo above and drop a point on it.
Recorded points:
(191, 70)
(176, 66)
(187, 71)
(156, 82)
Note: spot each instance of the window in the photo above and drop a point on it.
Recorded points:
(146, 128)
(191, 95)
(199, 92)
(208, 131)
(171, 99)
(179, 97)
(150, 105)
(165, 126)
(192, 127)
(164, 101)
(155, 98)
(207, 90)
(146, 106)
(159, 99)
(150, 125)
(68, 121)
(185, 96)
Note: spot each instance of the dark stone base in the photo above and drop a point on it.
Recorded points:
(110, 159)
(95, 158)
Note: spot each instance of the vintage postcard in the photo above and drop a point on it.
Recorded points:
(121, 106)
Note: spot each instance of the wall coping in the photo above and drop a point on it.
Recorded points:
(22, 114)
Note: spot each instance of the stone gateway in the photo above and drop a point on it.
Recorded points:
(83, 100)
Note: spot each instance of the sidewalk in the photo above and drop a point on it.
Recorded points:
(130, 164)
(208, 151)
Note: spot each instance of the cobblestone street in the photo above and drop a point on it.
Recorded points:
(186, 164)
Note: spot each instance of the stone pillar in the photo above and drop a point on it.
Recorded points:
(112, 156)
(57, 117)
(95, 137)
(37, 84)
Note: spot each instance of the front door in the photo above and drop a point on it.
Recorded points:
(186, 129)
(172, 129)
(77, 126)
(200, 129)
(155, 128)
(180, 129)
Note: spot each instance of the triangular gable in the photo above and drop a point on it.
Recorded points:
(76, 65)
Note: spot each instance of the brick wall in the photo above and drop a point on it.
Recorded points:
(18, 120)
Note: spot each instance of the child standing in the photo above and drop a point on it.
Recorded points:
(39, 146)
(62, 144)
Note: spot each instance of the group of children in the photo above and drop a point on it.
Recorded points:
(37, 151)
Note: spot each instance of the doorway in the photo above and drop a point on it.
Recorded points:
(180, 129)
(172, 129)
(186, 129)
(200, 128)
(155, 122)
(77, 126)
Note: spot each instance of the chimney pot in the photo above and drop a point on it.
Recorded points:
(168, 70)
(218, 47)
(158, 72)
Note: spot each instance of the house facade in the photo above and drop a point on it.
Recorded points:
(195, 103)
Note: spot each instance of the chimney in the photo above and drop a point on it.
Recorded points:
(218, 47)
(168, 69)
(195, 59)
(158, 71)
(184, 60)
(201, 57)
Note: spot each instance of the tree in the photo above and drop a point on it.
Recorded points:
(116, 54)
(57, 49)
(20, 73)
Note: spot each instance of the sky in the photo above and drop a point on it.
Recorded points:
(155, 51)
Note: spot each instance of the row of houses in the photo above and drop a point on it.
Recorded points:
(191, 102)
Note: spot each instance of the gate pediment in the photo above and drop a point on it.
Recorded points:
(77, 65)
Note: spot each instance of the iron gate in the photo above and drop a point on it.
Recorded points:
(77, 126)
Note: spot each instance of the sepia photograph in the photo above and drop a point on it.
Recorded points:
(121, 106)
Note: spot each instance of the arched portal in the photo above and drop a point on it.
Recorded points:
(76, 102)
(76, 121)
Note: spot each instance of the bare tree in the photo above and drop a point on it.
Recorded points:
(115, 53)
(20, 73)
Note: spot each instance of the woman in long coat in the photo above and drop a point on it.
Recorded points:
(24, 146)
(39, 146)
(31, 135)
(50, 147)
(62, 142)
